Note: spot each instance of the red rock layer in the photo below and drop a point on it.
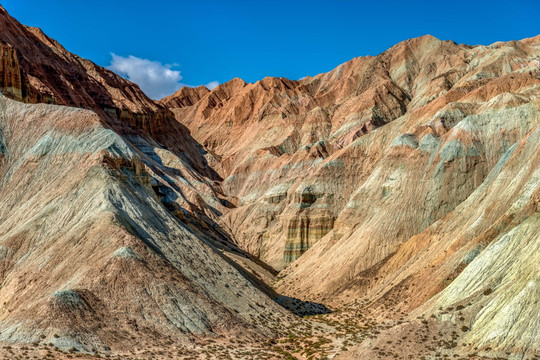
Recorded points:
(37, 69)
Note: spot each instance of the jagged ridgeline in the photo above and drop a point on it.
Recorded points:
(394, 197)
(389, 179)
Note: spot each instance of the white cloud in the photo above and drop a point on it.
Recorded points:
(154, 78)
(212, 85)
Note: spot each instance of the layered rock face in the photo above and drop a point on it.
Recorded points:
(389, 176)
(10, 72)
(88, 251)
(108, 237)
(36, 68)
(308, 146)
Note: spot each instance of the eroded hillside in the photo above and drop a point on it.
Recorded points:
(401, 191)
(386, 178)
(106, 241)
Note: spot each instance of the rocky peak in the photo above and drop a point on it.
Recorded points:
(186, 96)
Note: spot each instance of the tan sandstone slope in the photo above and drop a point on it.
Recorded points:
(401, 178)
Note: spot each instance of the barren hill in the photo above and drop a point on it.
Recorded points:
(401, 191)
(396, 179)
(106, 241)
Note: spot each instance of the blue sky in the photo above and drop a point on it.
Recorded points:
(209, 42)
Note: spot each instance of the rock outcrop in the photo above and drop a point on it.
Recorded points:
(10, 73)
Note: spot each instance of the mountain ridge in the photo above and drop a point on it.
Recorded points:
(338, 175)
(400, 190)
